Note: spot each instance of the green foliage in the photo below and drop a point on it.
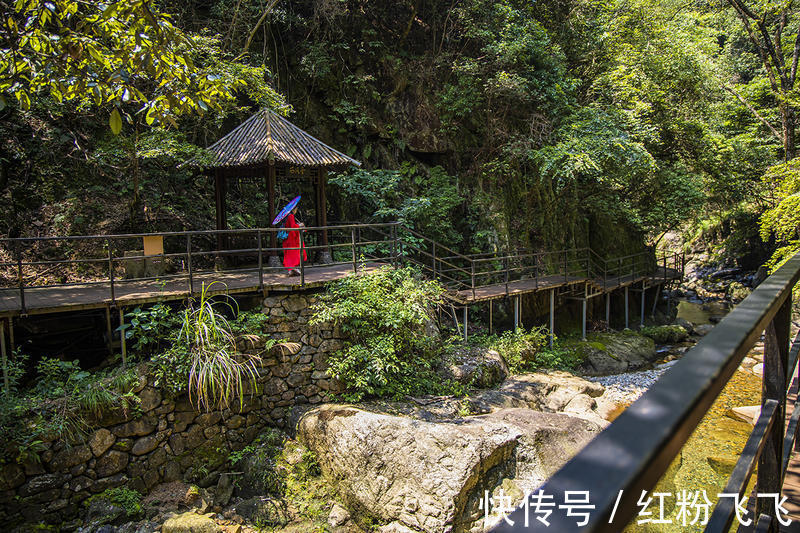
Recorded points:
(130, 500)
(60, 403)
(148, 330)
(665, 334)
(182, 365)
(217, 373)
(423, 199)
(382, 316)
(105, 54)
(782, 219)
(526, 351)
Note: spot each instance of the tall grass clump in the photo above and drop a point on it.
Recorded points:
(218, 373)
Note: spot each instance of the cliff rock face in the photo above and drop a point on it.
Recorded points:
(431, 476)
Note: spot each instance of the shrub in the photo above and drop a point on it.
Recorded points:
(525, 351)
(60, 402)
(382, 316)
(150, 330)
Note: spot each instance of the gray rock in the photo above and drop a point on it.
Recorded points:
(190, 523)
(477, 367)
(430, 476)
(703, 329)
(145, 445)
(614, 353)
(70, 457)
(685, 324)
(224, 491)
(136, 428)
(338, 516)
(112, 462)
(101, 440)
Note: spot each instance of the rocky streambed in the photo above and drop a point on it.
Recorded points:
(426, 464)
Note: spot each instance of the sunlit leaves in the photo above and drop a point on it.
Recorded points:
(123, 52)
(115, 122)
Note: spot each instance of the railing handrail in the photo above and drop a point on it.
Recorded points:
(632, 453)
(271, 229)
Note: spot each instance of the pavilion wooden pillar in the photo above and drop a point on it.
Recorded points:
(222, 218)
(324, 254)
(272, 259)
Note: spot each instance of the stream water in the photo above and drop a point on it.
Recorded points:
(707, 459)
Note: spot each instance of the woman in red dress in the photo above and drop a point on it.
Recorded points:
(291, 258)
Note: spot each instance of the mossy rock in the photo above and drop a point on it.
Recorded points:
(665, 334)
(614, 353)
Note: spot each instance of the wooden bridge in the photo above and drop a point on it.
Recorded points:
(60, 274)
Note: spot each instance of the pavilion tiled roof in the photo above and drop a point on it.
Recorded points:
(268, 135)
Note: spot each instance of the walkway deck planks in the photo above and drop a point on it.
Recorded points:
(62, 298)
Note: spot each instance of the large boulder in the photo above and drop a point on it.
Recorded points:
(553, 392)
(430, 476)
(477, 367)
(615, 353)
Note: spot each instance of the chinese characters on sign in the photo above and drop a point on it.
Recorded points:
(689, 507)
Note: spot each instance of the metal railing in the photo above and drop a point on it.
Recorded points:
(632, 454)
(31, 263)
(111, 261)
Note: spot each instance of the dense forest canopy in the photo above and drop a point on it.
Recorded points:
(482, 123)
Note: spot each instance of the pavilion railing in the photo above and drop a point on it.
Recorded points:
(628, 458)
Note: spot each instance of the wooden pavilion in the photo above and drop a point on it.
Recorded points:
(268, 148)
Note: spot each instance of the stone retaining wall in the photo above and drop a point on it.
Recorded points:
(169, 439)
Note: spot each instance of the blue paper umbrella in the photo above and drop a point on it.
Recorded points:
(286, 210)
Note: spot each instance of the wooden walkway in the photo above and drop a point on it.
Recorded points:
(525, 286)
(97, 295)
(127, 293)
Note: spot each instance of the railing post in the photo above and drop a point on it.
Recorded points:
(505, 271)
(189, 262)
(302, 263)
(111, 271)
(21, 283)
(776, 360)
(261, 263)
(472, 264)
(353, 243)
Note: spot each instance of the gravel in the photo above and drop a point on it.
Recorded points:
(626, 388)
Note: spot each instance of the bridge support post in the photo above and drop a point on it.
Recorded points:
(122, 336)
(491, 305)
(466, 319)
(583, 319)
(655, 300)
(626, 307)
(109, 331)
(516, 312)
(776, 361)
(11, 333)
(608, 310)
(552, 316)
(4, 355)
(641, 307)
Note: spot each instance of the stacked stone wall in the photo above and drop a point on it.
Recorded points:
(168, 439)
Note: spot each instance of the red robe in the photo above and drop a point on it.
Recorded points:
(291, 258)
